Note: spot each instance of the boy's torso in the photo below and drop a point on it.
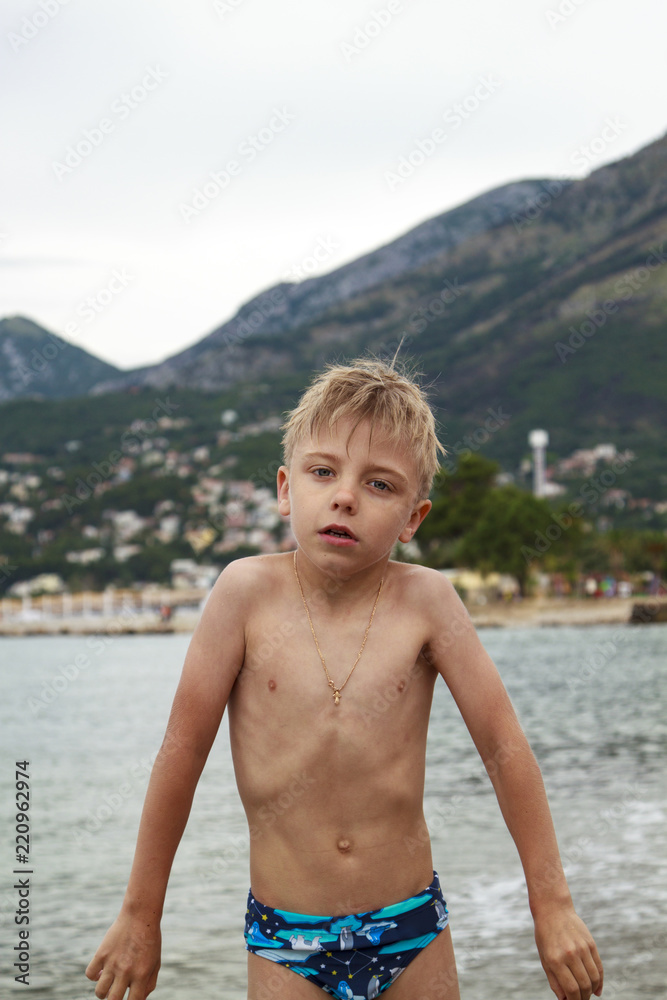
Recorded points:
(334, 794)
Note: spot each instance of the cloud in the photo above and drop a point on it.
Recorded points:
(223, 71)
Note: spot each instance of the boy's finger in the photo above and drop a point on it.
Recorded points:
(140, 988)
(104, 984)
(555, 985)
(111, 987)
(598, 965)
(138, 992)
(570, 983)
(94, 968)
(594, 972)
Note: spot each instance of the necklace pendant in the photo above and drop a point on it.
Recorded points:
(336, 691)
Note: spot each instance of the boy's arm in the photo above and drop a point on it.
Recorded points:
(129, 955)
(567, 950)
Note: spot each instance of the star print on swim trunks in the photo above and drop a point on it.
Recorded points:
(353, 957)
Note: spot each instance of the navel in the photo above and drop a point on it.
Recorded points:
(344, 846)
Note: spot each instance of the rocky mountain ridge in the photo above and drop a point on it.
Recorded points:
(545, 301)
(209, 364)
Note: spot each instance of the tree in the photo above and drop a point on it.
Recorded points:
(504, 533)
(458, 501)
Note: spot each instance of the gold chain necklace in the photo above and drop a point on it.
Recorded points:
(336, 690)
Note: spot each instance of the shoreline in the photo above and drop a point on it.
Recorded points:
(549, 611)
(527, 613)
(181, 622)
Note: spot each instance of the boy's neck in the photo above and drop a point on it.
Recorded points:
(331, 590)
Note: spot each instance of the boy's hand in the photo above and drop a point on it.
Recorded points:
(568, 955)
(128, 958)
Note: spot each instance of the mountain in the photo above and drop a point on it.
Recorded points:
(35, 362)
(213, 363)
(546, 299)
(543, 302)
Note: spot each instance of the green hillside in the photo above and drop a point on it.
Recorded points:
(37, 363)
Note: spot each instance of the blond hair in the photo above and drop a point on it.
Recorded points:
(369, 389)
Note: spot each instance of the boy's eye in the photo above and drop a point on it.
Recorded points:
(322, 472)
(379, 484)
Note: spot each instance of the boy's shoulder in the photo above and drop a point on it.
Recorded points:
(253, 577)
(251, 572)
(424, 588)
(422, 577)
(243, 586)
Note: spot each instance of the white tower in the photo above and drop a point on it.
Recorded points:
(538, 441)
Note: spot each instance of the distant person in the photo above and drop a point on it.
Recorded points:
(331, 717)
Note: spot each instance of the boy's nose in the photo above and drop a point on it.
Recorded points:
(344, 498)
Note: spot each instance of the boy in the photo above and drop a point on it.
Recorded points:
(335, 720)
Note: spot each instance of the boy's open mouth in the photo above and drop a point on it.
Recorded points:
(338, 531)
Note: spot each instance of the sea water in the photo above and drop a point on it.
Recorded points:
(89, 714)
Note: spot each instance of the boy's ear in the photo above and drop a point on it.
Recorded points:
(416, 518)
(283, 491)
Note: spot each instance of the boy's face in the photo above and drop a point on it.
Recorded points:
(351, 498)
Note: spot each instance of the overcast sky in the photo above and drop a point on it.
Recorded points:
(291, 120)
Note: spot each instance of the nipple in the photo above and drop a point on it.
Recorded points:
(401, 686)
(272, 685)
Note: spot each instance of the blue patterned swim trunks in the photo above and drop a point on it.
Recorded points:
(354, 957)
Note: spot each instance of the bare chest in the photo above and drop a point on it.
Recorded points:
(296, 670)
